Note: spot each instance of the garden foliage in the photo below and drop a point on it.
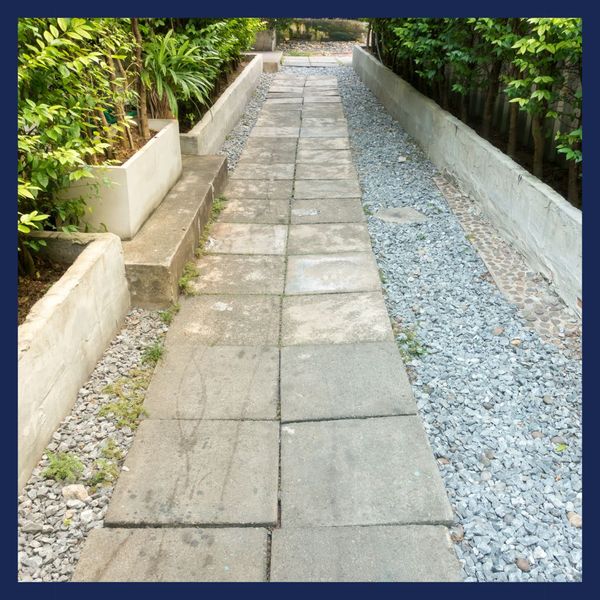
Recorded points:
(85, 86)
(536, 62)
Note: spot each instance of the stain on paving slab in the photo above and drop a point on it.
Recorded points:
(199, 473)
(360, 472)
(215, 382)
(183, 554)
(227, 321)
(419, 553)
(332, 273)
(335, 319)
(330, 210)
(327, 238)
(344, 380)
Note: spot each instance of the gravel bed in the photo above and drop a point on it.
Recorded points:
(52, 526)
(502, 409)
(236, 139)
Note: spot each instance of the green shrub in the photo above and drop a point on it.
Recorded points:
(63, 466)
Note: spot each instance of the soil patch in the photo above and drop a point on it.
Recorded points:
(31, 289)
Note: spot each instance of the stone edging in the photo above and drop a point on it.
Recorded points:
(528, 213)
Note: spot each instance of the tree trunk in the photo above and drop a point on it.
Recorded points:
(573, 191)
(142, 108)
(119, 107)
(513, 131)
(538, 146)
(490, 98)
(464, 108)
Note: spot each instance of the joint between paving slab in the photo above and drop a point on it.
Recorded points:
(177, 525)
(347, 418)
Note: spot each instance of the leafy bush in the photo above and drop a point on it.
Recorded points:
(79, 83)
(63, 466)
(536, 62)
(65, 85)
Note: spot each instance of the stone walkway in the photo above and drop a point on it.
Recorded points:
(282, 441)
(317, 61)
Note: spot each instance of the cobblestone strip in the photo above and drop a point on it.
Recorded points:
(542, 309)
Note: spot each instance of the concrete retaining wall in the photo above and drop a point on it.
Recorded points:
(65, 334)
(529, 213)
(123, 197)
(208, 135)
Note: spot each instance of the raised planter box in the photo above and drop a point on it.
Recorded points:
(207, 136)
(529, 213)
(122, 197)
(65, 334)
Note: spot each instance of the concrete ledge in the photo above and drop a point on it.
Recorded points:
(529, 213)
(122, 197)
(155, 258)
(271, 61)
(207, 136)
(65, 334)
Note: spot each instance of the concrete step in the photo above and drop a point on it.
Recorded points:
(156, 256)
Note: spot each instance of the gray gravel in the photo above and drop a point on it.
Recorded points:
(236, 139)
(481, 398)
(53, 527)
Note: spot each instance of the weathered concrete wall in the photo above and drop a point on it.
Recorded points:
(65, 334)
(207, 136)
(265, 40)
(123, 197)
(529, 213)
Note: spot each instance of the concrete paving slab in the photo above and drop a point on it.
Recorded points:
(335, 319)
(169, 555)
(338, 157)
(199, 473)
(321, 91)
(324, 99)
(256, 210)
(404, 215)
(323, 144)
(271, 144)
(360, 472)
(330, 210)
(266, 156)
(235, 274)
(246, 238)
(316, 110)
(323, 131)
(227, 321)
(326, 188)
(215, 382)
(296, 61)
(321, 82)
(258, 189)
(409, 553)
(279, 86)
(326, 238)
(276, 132)
(279, 118)
(271, 101)
(335, 121)
(344, 381)
(332, 273)
(284, 95)
(327, 170)
(262, 171)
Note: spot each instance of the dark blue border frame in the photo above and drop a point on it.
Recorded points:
(278, 8)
